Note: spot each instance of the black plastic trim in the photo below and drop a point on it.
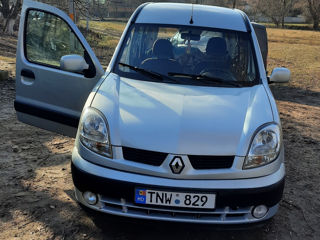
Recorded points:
(144, 156)
(27, 73)
(269, 196)
(210, 162)
(47, 114)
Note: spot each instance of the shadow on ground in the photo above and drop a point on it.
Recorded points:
(296, 95)
(37, 200)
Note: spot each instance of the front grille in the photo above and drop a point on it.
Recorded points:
(143, 156)
(198, 162)
(211, 162)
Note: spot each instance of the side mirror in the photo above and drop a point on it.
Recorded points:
(279, 75)
(73, 63)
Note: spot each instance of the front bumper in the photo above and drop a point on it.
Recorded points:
(234, 202)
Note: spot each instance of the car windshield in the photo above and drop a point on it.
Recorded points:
(187, 55)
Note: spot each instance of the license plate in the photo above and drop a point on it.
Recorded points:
(175, 199)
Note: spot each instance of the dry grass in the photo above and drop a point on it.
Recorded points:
(289, 25)
(103, 37)
(294, 36)
(300, 52)
(98, 26)
(8, 64)
(7, 59)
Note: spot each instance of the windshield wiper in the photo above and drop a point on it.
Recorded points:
(206, 79)
(152, 74)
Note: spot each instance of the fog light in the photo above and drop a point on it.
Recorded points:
(90, 198)
(260, 211)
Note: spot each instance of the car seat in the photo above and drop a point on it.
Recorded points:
(163, 61)
(216, 58)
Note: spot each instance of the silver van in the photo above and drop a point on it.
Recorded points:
(182, 126)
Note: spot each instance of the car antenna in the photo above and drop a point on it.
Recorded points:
(191, 19)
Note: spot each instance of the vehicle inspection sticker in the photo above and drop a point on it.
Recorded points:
(175, 199)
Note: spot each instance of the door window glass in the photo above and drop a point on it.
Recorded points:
(48, 38)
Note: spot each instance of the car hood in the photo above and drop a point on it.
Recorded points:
(182, 119)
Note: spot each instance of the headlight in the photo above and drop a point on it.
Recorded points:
(94, 132)
(265, 147)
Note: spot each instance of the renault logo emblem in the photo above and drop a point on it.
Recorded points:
(177, 165)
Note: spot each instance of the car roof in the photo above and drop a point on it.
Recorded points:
(203, 16)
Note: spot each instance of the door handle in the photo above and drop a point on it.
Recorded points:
(27, 77)
(27, 73)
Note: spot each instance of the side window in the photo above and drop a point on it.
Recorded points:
(48, 38)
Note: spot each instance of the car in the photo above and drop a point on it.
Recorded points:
(182, 126)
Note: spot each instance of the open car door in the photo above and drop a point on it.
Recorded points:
(51, 89)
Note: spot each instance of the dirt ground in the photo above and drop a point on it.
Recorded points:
(37, 201)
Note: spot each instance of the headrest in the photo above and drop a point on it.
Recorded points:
(162, 48)
(216, 46)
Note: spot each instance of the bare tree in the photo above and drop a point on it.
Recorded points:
(234, 3)
(276, 10)
(9, 10)
(314, 10)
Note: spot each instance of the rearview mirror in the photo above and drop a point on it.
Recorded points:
(73, 63)
(189, 36)
(279, 75)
